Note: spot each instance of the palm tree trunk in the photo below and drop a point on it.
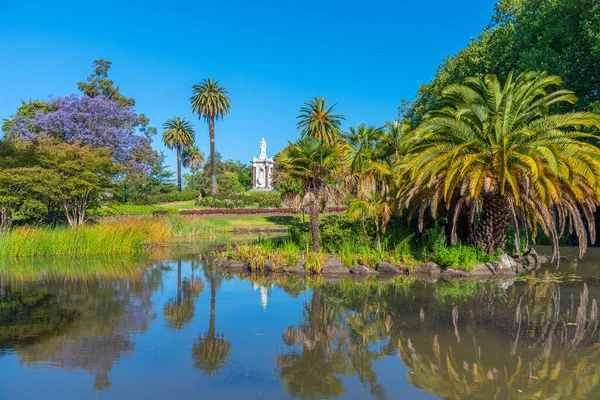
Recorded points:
(314, 223)
(178, 282)
(213, 305)
(179, 167)
(213, 164)
(193, 176)
(377, 236)
(490, 233)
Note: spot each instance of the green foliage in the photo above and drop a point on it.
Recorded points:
(560, 37)
(46, 175)
(460, 256)
(98, 84)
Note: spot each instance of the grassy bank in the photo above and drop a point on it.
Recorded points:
(115, 237)
(401, 252)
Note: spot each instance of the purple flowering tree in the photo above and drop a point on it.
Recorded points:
(92, 121)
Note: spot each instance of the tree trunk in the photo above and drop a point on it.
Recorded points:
(213, 306)
(490, 233)
(377, 237)
(178, 282)
(314, 223)
(213, 164)
(193, 176)
(179, 168)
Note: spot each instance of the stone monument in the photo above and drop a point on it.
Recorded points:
(262, 169)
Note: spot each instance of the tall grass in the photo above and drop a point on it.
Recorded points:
(115, 237)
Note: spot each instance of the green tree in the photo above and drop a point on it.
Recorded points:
(211, 101)
(98, 84)
(560, 37)
(193, 159)
(27, 109)
(496, 150)
(318, 167)
(318, 121)
(178, 134)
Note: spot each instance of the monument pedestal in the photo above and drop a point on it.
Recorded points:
(262, 170)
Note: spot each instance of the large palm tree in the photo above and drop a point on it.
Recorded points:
(318, 121)
(178, 134)
(194, 160)
(318, 168)
(496, 150)
(211, 101)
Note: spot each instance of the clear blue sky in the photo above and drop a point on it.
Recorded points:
(272, 56)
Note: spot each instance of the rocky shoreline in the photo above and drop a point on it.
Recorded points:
(506, 267)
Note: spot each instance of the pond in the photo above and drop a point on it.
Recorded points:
(127, 327)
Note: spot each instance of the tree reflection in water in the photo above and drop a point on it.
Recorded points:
(76, 321)
(180, 310)
(211, 350)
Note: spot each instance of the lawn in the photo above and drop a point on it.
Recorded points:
(247, 222)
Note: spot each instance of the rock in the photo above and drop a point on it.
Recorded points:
(333, 266)
(487, 269)
(302, 262)
(386, 268)
(451, 273)
(270, 266)
(430, 268)
(295, 269)
(509, 261)
(362, 270)
(333, 279)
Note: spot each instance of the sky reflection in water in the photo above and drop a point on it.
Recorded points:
(131, 327)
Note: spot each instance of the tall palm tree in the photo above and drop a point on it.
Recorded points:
(318, 168)
(194, 160)
(498, 151)
(178, 134)
(318, 121)
(211, 101)
(372, 205)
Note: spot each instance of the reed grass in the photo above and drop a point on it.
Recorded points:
(133, 236)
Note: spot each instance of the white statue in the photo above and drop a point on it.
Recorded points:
(263, 149)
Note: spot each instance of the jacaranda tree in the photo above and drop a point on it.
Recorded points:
(495, 150)
(93, 121)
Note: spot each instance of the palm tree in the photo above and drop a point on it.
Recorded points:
(194, 160)
(318, 168)
(362, 143)
(211, 101)
(372, 205)
(318, 121)
(178, 134)
(393, 142)
(496, 149)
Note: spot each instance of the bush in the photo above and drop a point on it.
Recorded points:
(185, 195)
(460, 256)
(262, 199)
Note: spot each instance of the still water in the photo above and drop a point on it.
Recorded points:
(165, 327)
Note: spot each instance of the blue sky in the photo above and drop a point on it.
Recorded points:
(272, 56)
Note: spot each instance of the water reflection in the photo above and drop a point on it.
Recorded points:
(531, 339)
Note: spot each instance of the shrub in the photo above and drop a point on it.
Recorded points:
(460, 256)
(127, 209)
(185, 195)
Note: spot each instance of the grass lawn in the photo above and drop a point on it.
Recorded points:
(254, 221)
